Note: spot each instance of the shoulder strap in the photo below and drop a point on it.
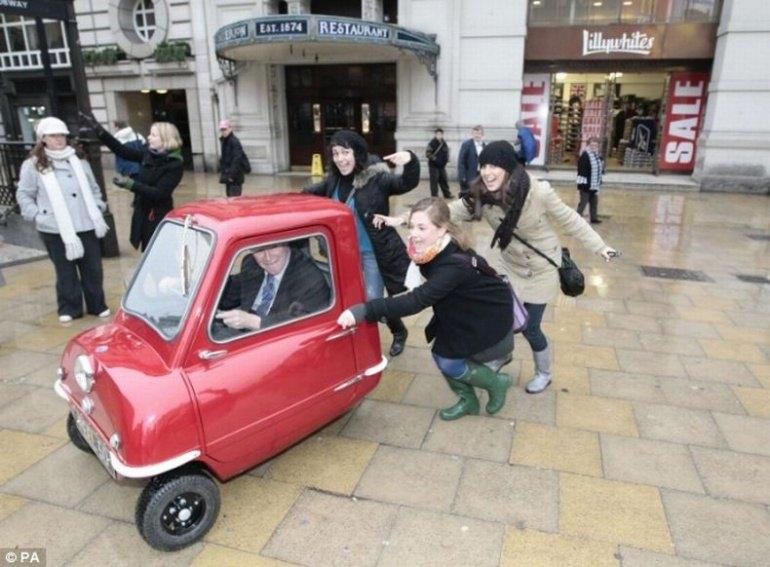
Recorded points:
(535, 250)
(473, 262)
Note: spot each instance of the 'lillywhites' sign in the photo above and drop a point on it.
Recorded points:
(637, 43)
(336, 28)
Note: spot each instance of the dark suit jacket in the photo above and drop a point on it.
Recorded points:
(303, 289)
(468, 162)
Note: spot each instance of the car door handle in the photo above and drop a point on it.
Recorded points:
(211, 354)
(340, 334)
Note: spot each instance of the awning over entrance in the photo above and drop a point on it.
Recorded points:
(308, 39)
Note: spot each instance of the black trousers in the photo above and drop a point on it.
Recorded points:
(79, 278)
(590, 198)
(233, 190)
(438, 178)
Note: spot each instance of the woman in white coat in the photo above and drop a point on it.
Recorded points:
(57, 190)
(518, 205)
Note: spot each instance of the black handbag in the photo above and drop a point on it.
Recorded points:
(572, 281)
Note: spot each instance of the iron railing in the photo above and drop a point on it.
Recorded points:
(12, 155)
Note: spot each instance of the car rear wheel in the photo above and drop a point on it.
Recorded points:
(76, 437)
(177, 509)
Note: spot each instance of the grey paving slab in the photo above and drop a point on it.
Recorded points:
(644, 461)
(729, 474)
(430, 391)
(472, 436)
(34, 412)
(65, 477)
(657, 364)
(701, 395)
(746, 434)
(723, 371)
(677, 425)
(626, 386)
(539, 408)
(632, 322)
(722, 531)
(523, 496)
(655, 342)
(420, 537)
(682, 328)
(604, 336)
(413, 478)
(392, 424)
(12, 392)
(116, 500)
(631, 557)
(322, 529)
(61, 531)
(121, 544)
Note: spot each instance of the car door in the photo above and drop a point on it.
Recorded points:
(262, 391)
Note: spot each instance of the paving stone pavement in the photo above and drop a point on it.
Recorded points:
(652, 447)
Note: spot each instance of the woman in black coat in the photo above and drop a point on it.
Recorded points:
(365, 184)
(160, 172)
(589, 179)
(472, 324)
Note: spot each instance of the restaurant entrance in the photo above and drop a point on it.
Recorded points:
(322, 99)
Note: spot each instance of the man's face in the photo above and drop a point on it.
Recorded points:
(478, 134)
(439, 135)
(272, 259)
(224, 132)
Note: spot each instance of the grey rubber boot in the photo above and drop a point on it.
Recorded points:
(542, 378)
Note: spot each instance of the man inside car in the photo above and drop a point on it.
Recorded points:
(276, 283)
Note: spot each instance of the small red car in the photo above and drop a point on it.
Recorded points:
(169, 392)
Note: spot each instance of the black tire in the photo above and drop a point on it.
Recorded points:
(76, 437)
(177, 509)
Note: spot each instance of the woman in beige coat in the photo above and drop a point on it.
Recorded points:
(513, 202)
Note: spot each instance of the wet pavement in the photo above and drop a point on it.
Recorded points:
(652, 446)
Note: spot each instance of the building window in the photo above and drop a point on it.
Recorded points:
(694, 10)
(19, 46)
(144, 19)
(343, 8)
(602, 12)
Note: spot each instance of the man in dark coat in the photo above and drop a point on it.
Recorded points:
(276, 283)
(468, 160)
(437, 153)
(233, 163)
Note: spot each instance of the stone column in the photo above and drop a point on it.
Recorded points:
(733, 152)
(371, 10)
(299, 6)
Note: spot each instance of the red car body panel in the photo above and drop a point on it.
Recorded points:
(269, 389)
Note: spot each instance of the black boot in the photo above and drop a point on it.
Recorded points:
(400, 333)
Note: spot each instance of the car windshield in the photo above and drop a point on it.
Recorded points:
(168, 277)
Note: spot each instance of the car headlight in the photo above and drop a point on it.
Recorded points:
(84, 373)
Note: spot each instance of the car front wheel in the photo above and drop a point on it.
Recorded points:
(177, 509)
(76, 437)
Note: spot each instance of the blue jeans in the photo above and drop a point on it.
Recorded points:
(451, 367)
(375, 286)
(533, 333)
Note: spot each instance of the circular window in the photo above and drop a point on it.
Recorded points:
(144, 19)
(139, 25)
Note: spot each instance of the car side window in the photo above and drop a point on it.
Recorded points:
(274, 284)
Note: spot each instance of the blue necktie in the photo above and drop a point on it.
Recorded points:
(268, 292)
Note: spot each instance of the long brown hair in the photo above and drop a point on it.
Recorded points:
(41, 159)
(510, 197)
(438, 213)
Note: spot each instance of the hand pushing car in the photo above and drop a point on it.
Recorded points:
(183, 390)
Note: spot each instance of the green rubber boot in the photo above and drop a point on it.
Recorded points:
(468, 404)
(495, 383)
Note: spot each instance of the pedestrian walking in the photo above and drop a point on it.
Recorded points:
(57, 190)
(126, 135)
(365, 184)
(472, 325)
(590, 169)
(526, 144)
(437, 153)
(468, 159)
(160, 172)
(233, 163)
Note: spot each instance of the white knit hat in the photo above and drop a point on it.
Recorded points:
(50, 125)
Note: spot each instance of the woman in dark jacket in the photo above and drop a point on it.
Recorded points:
(365, 184)
(472, 324)
(589, 179)
(160, 172)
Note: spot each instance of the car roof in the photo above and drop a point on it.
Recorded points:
(242, 217)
